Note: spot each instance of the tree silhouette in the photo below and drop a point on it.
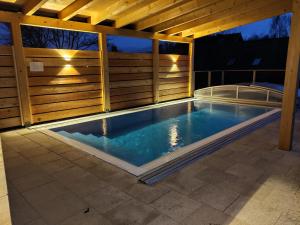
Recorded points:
(280, 26)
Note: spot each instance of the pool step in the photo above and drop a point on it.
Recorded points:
(158, 174)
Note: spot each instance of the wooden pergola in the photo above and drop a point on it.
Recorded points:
(170, 20)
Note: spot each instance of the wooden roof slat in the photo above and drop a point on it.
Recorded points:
(32, 6)
(245, 18)
(73, 9)
(244, 5)
(175, 12)
(144, 11)
(214, 7)
(113, 8)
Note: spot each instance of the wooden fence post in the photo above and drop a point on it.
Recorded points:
(291, 83)
(21, 74)
(104, 71)
(155, 58)
(191, 68)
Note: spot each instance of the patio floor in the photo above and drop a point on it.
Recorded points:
(248, 182)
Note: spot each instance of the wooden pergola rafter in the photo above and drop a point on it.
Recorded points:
(170, 20)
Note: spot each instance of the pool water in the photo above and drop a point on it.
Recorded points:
(141, 137)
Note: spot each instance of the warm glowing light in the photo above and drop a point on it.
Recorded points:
(67, 58)
(173, 134)
(68, 66)
(174, 58)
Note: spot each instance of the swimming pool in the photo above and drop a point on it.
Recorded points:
(138, 139)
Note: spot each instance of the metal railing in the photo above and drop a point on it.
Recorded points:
(256, 95)
(253, 71)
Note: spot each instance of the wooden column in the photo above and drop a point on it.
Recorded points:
(21, 74)
(191, 69)
(104, 71)
(155, 54)
(291, 82)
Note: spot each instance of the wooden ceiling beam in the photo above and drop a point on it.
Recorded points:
(32, 6)
(84, 27)
(213, 7)
(183, 8)
(112, 9)
(73, 9)
(145, 9)
(239, 20)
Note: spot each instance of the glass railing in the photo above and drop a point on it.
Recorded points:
(242, 94)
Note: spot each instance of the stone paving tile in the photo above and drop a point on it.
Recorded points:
(44, 193)
(132, 212)
(175, 205)
(73, 155)
(31, 181)
(253, 212)
(182, 183)
(56, 166)
(217, 197)
(89, 217)
(246, 172)
(21, 211)
(162, 220)
(37, 222)
(60, 208)
(147, 193)
(86, 162)
(206, 215)
(105, 200)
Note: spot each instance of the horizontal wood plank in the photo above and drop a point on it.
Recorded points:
(174, 57)
(52, 107)
(171, 86)
(174, 80)
(173, 96)
(173, 75)
(9, 112)
(37, 81)
(7, 72)
(65, 71)
(129, 90)
(8, 92)
(66, 114)
(128, 97)
(70, 88)
(130, 70)
(6, 60)
(5, 50)
(9, 102)
(55, 62)
(164, 63)
(173, 91)
(131, 83)
(130, 76)
(10, 122)
(130, 104)
(8, 82)
(43, 99)
(59, 53)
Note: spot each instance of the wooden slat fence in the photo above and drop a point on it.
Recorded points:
(131, 80)
(9, 101)
(173, 77)
(69, 86)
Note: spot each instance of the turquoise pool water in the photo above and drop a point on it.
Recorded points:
(141, 137)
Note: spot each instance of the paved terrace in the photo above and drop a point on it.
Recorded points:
(248, 182)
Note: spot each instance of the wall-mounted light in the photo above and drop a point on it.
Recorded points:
(67, 58)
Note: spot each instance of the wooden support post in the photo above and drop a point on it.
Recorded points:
(104, 71)
(223, 77)
(191, 69)
(209, 78)
(155, 58)
(254, 77)
(291, 82)
(21, 74)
